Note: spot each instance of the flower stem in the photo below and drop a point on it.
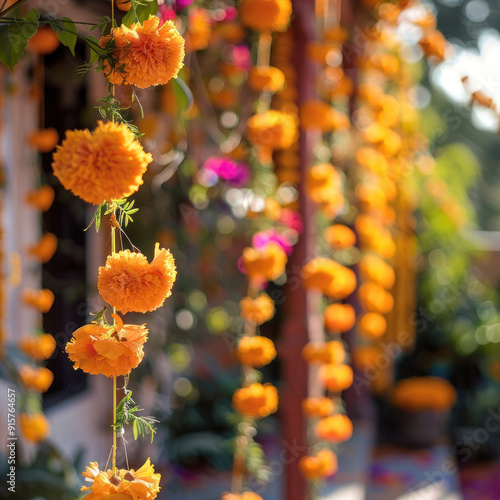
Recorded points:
(114, 422)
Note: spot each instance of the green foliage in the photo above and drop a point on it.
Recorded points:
(110, 109)
(66, 32)
(14, 37)
(96, 218)
(255, 463)
(140, 11)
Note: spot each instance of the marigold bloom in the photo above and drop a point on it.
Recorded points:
(265, 15)
(424, 393)
(256, 400)
(44, 41)
(255, 351)
(323, 464)
(318, 407)
(324, 183)
(247, 495)
(111, 352)
(367, 357)
(332, 352)
(321, 52)
(149, 54)
(373, 268)
(38, 379)
(258, 310)
(45, 249)
(340, 237)
(44, 140)
(39, 348)
(272, 129)
(373, 160)
(329, 277)
(39, 299)
(374, 298)
(334, 429)
(336, 378)
(198, 30)
(104, 165)
(129, 283)
(122, 484)
(319, 115)
(339, 317)
(264, 264)
(124, 5)
(266, 79)
(434, 44)
(41, 198)
(34, 427)
(371, 325)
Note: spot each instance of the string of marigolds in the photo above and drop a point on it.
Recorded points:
(268, 130)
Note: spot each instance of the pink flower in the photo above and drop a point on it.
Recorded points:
(233, 172)
(291, 219)
(262, 238)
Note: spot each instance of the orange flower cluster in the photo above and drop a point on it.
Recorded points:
(45, 249)
(324, 185)
(38, 299)
(318, 115)
(334, 429)
(255, 351)
(330, 352)
(41, 198)
(44, 140)
(318, 407)
(39, 348)
(323, 464)
(145, 54)
(256, 400)
(198, 30)
(37, 379)
(247, 495)
(44, 41)
(272, 130)
(266, 79)
(104, 165)
(336, 378)
(34, 427)
(258, 310)
(266, 15)
(339, 317)
(264, 264)
(122, 484)
(371, 325)
(109, 351)
(339, 236)
(129, 283)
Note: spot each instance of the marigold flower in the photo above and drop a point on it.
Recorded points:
(247, 495)
(321, 465)
(340, 237)
(371, 325)
(324, 183)
(266, 79)
(45, 249)
(39, 348)
(434, 44)
(339, 317)
(373, 160)
(265, 15)
(124, 5)
(38, 379)
(329, 277)
(367, 357)
(256, 400)
(373, 268)
(258, 310)
(111, 352)
(334, 429)
(318, 407)
(374, 298)
(272, 129)
(44, 140)
(335, 377)
(332, 352)
(149, 54)
(255, 351)
(129, 283)
(122, 484)
(44, 41)
(41, 198)
(321, 52)
(35, 427)
(371, 198)
(198, 30)
(321, 116)
(264, 264)
(106, 164)
(39, 299)
(424, 393)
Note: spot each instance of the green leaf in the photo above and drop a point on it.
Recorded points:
(14, 37)
(140, 12)
(135, 430)
(183, 94)
(67, 34)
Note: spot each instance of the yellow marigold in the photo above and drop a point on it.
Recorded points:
(323, 183)
(373, 268)
(255, 351)
(39, 348)
(111, 352)
(272, 129)
(371, 325)
(321, 465)
(374, 298)
(318, 407)
(45, 249)
(257, 310)
(371, 159)
(122, 484)
(329, 277)
(334, 429)
(266, 79)
(336, 378)
(256, 400)
(264, 264)
(266, 15)
(41, 198)
(39, 299)
(44, 140)
(371, 198)
(106, 164)
(198, 30)
(321, 116)
(146, 55)
(367, 357)
(247, 495)
(129, 283)
(339, 236)
(339, 317)
(34, 427)
(38, 379)
(332, 352)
